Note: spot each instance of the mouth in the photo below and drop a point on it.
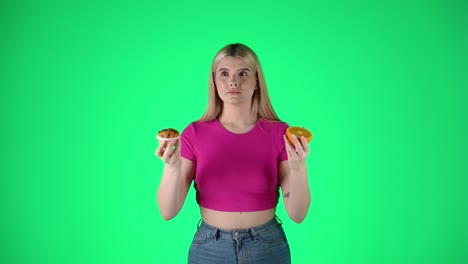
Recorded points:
(233, 92)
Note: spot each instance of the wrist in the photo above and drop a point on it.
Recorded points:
(172, 167)
(299, 169)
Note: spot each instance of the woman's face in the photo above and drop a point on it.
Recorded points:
(235, 81)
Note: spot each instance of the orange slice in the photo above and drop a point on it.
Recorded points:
(298, 132)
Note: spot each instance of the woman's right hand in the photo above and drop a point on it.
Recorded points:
(167, 154)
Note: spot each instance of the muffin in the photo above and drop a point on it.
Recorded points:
(168, 134)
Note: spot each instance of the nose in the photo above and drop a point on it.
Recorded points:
(233, 82)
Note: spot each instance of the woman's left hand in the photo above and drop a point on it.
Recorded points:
(297, 154)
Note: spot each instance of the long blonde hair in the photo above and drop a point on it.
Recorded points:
(261, 105)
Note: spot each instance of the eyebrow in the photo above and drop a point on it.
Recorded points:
(243, 69)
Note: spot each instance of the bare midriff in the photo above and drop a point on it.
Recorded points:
(236, 220)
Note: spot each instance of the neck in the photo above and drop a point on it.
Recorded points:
(235, 114)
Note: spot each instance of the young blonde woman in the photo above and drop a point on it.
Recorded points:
(238, 157)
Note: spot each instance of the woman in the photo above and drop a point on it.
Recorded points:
(238, 157)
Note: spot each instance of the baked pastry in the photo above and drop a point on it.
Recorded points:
(298, 132)
(168, 134)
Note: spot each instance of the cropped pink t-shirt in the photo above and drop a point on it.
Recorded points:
(235, 172)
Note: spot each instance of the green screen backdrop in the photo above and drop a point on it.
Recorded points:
(86, 85)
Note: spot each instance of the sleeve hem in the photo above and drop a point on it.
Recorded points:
(187, 157)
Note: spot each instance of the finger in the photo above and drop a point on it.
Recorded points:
(162, 144)
(299, 148)
(168, 150)
(297, 144)
(286, 143)
(177, 146)
(176, 149)
(159, 151)
(289, 148)
(161, 148)
(305, 144)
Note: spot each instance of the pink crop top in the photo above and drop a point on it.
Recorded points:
(235, 172)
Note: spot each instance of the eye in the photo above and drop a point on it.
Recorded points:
(243, 73)
(224, 73)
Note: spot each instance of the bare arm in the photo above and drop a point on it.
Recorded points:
(294, 181)
(176, 179)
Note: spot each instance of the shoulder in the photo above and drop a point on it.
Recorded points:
(197, 126)
(274, 126)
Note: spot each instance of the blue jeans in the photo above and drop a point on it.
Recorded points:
(266, 243)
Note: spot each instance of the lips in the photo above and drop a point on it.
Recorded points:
(233, 92)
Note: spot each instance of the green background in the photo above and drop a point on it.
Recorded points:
(86, 86)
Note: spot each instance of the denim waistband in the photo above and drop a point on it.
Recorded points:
(239, 233)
